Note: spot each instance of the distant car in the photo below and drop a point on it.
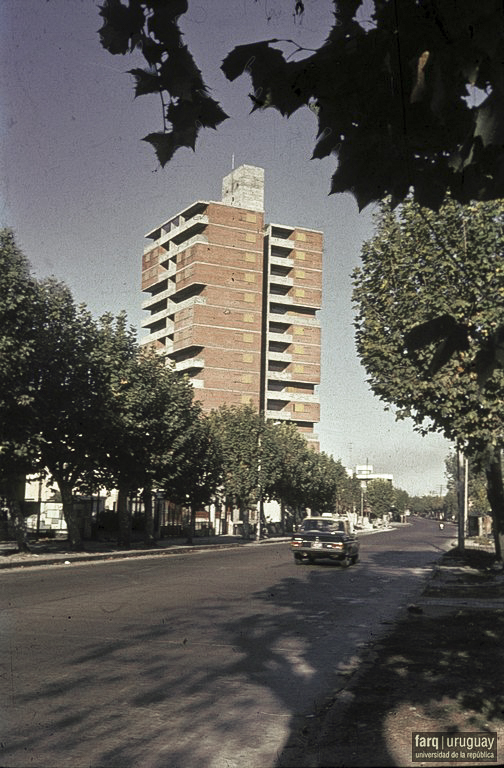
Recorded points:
(325, 538)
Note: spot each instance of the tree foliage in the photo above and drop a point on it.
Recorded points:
(19, 313)
(286, 455)
(237, 433)
(476, 485)
(70, 404)
(421, 267)
(380, 497)
(393, 94)
(152, 28)
(197, 473)
(19, 310)
(439, 271)
(273, 461)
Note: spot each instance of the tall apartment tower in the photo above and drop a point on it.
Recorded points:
(233, 303)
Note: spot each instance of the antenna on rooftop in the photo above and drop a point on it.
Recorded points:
(232, 162)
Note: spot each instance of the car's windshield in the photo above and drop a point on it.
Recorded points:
(326, 526)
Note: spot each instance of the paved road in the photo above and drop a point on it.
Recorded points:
(196, 661)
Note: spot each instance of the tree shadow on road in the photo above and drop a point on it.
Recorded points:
(161, 691)
(439, 669)
(156, 691)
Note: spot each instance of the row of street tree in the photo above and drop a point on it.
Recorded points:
(82, 405)
(430, 313)
(420, 122)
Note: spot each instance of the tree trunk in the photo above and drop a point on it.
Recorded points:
(149, 537)
(15, 492)
(191, 528)
(495, 494)
(158, 506)
(124, 519)
(71, 519)
(461, 469)
(244, 517)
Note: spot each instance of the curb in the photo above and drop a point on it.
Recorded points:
(69, 558)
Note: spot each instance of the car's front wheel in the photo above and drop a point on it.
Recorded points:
(345, 562)
(355, 559)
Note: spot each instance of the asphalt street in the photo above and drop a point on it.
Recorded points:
(204, 660)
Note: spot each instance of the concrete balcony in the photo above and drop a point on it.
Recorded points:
(191, 363)
(187, 303)
(278, 395)
(281, 261)
(161, 334)
(203, 239)
(177, 234)
(281, 280)
(291, 397)
(281, 357)
(278, 376)
(283, 338)
(303, 398)
(168, 263)
(155, 297)
(278, 298)
(278, 415)
(188, 228)
(153, 319)
(279, 242)
(313, 322)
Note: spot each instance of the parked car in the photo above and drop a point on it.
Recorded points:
(325, 538)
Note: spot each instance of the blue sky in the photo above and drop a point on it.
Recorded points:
(80, 188)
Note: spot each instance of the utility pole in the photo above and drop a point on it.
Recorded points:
(462, 478)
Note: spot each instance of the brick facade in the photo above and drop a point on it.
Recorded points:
(234, 303)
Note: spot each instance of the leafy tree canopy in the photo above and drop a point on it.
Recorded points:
(445, 270)
(380, 497)
(476, 486)
(430, 307)
(19, 310)
(237, 433)
(411, 96)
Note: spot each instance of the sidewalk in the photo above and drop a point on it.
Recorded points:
(439, 668)
(57, 551)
